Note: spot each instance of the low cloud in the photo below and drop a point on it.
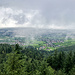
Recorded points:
(10, 17)
(17, 18)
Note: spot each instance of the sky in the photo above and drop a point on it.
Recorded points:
(56, 14)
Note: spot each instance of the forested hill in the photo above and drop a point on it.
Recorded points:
(15, 60)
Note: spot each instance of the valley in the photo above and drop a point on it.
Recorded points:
(42, 39)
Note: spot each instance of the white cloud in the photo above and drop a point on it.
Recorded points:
(30, 18)
(13, 18)
(18, 18)
(6, 19)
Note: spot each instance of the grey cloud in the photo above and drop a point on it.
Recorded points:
(21, 19)
(58, 12)
(4, 20)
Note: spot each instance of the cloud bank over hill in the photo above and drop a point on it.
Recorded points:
(56, 14)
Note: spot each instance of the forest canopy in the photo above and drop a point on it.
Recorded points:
(16, 60)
